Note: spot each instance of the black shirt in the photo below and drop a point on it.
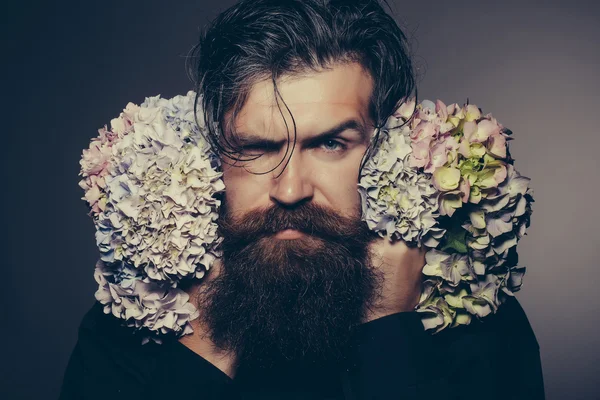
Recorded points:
(391, 358)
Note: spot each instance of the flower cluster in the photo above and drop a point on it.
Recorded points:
(443, 178)
(150, 183)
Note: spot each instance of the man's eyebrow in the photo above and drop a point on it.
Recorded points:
(350, 124)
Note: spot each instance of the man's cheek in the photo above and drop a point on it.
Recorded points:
(238, 192)
(343, 194)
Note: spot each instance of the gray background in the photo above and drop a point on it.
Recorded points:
(72, 66)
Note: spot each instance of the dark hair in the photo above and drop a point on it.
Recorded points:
(256, 40)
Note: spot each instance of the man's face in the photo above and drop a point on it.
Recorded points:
(323, 170)
(296, 273)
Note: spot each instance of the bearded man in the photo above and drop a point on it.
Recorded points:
(305, 302)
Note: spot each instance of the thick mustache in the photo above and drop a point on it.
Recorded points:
(309, 218)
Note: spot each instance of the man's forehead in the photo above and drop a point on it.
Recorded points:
(342, 83)
(317, 101)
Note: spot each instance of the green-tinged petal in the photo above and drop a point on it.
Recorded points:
(429, 291)
(477, 218)
(472, 112)
(404, 202)
(475, 195)
(432, 319)
(491, 161)
(485, 128)
(437, 316)
(471, 177)
(477, 150)
(462, 318)
(469, 130)
(432, 270)
(469, 166)
(478, 267)
(449, 203)
(454, 120)
(435, 256)
(455, 300)
(480, 242)
(446, 178)
(477, 306)
(486, 179)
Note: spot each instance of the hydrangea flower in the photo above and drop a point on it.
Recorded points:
(151, 306)
(397, 199)
(443, 178)
(151, 184)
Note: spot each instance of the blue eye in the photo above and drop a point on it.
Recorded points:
(331, 145)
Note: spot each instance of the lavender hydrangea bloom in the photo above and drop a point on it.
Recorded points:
(450, 163)
(155, 306)
(157, 223)
(397, 200)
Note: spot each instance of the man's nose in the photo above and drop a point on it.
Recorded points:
(293, 185)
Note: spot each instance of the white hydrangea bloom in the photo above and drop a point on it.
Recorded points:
(154, 306)
(157, 224)
(397, 201)
(161, 211)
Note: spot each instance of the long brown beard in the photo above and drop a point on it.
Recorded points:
(277, 301)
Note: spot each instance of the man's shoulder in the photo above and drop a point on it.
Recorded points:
(500, 347)
(498, 336)
(104, 341)
(511, 323)
(107, 327)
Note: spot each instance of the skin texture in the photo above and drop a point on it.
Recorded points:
(320, 170)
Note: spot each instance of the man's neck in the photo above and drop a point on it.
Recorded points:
(200, 343)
